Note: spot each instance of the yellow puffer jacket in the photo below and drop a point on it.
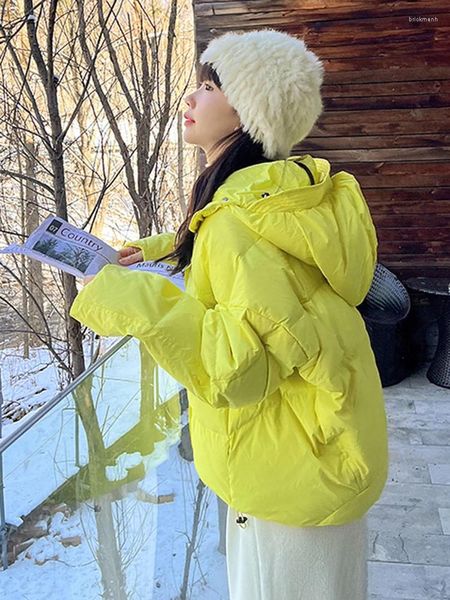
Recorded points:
(286, 407)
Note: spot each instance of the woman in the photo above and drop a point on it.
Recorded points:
(286, 406)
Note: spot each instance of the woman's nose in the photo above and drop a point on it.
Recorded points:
(189, 100)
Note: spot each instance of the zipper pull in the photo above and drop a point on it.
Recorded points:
(242, 520)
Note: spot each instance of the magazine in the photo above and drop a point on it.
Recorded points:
(58, 243)
(160, 268)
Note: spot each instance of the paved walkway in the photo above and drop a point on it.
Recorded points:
(410, 524)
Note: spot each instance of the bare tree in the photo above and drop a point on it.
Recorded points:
(77, 134)
(143, 61)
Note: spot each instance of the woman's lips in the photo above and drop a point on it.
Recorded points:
(187, 119)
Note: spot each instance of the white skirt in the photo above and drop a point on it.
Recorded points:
(271, 561)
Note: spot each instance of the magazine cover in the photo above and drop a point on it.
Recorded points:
(62, 245)
(59, 244)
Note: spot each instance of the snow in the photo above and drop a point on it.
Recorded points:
(123, 463)
(31, 382)
(59, 441)
(152, 546)
(28, 383)
(146, 520)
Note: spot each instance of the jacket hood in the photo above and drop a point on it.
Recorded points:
(327, 225)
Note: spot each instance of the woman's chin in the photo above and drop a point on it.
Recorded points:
(188, 137)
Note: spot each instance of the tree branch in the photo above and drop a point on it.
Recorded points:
(107, 106)
(115, 62)
(27, 178)
(17, 63)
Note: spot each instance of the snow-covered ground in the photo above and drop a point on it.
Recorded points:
(28, 383)
(143, 528)
(58, 441)
(152, 539)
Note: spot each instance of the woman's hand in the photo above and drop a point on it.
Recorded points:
(127, 256)
(130, 255)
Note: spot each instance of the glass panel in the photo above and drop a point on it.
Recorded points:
(102, 499)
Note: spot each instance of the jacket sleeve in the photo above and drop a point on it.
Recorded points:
(230, 355)
(155, 246)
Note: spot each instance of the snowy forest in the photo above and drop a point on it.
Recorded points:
(91, 103)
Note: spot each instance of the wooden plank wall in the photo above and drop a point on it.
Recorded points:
(387, 108)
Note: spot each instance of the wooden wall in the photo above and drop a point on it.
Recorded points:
(387, 108)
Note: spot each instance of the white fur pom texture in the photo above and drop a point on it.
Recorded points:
(273, 82)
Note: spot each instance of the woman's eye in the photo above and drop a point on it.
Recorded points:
(208, 87)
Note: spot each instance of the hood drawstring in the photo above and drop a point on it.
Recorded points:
(242, 520)
(307, 169)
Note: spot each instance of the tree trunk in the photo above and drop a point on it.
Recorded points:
(50, 82)
(35, 281)
(23, 266)
(180, 165)
(108, 552)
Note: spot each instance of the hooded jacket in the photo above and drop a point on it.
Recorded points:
(286, 406)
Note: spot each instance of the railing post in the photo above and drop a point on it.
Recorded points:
(3, 528)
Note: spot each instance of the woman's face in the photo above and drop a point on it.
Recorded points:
(209, 117)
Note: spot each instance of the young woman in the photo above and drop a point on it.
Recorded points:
(286, 407)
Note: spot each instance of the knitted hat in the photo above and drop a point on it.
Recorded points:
(273, 82)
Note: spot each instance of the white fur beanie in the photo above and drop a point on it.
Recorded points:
(273, 82)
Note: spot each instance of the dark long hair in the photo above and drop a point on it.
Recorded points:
(240, 152)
